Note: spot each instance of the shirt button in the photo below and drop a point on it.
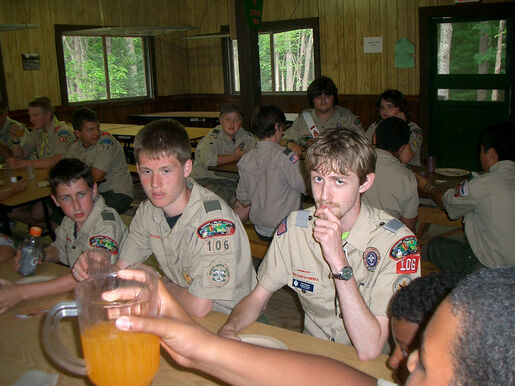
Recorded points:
(332, 340)
(74, 247)
(310, 218)
(303, 291)
(340, 316)
(381, 223)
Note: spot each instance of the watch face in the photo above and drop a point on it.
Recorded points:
(344, 274)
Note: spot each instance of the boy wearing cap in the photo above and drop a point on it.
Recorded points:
(224, 144)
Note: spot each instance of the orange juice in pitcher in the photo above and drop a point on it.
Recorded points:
(119, 358)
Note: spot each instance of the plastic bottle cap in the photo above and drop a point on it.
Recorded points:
(35, 231)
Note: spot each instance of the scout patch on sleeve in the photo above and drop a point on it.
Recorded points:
(408, 264)
(357, 121)
(371, 257)
(293, 158)
(216, 228)
(63, 135)
(215, 246)
(282, 228)
(106, 141)
(401, 281)
(462, 190)
(104, 242)
(407, 246)
(219, 274)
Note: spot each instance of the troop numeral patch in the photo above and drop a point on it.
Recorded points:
(217, 245)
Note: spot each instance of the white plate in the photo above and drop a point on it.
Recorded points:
(451, 172)
(35, 279)
(263, 340)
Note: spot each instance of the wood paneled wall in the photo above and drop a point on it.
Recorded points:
(195, 66)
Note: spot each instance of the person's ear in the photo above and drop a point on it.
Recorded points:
(95, 188)
(55, 200)
(368, 183)
(188, 165)
(492, 156)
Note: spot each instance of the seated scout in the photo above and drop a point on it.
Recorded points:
(487, 203)
(10, 130)
(226, 143)
(198, 240)
(395, 186)
(468, 341)
(105, 156)
(271, 181)
(410, 309)
(343, 258)
(324, 114)
(88, 223)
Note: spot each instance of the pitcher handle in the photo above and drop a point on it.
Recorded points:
(53, 345)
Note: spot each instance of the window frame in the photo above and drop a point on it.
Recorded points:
(150, 73)
(271, 27)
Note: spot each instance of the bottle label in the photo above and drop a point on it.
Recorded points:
(29, 261)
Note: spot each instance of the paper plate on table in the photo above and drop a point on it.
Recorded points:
(35, 279)
(451, 172)
(263, 340)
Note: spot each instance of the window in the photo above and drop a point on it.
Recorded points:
(103, 68)
(288, 56)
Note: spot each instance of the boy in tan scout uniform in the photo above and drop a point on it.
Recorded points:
(487, 203)
(271, 180)
(198, 240)
(224, 144)
(8, 125)
(324, 114)
(343, 258)
(105, 156)
(395, 186)
(89, 223)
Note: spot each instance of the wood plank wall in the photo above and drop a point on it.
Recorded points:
(195, 66)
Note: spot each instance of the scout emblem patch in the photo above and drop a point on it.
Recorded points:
(407, 246)
(219, 274)
(357, 122)
(104, 242)
(293, 158)
(216, 228)
(462, 189)
(282, 227)
(63, 135)
(371, 257)
(401, 281)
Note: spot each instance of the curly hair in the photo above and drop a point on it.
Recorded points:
(484, 304)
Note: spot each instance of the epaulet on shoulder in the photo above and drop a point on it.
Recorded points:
(302, 218)
(212, 205)
(216, 131)
(107, 216)
(393, 225)
(286, 151)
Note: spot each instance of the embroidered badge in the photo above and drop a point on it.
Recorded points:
(339, 125)
(282, 227)
(462, 189)
(293, 158)
(406, 246)
(216, 228)
(401, 281)
(408, 264)
(304, 274)
(371, 257)
(219, 274)
(104, 242)
(303, 285)
(221, 245)
(106, 141)
(187, 276)
(357, 122)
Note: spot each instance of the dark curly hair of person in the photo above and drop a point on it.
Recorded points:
(484, 304)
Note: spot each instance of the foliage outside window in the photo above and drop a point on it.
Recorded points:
(104, 68)
(286, 60)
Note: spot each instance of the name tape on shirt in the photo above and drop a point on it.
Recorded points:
(304, 274)
(303, 285)
(104, 242)
(216, 228)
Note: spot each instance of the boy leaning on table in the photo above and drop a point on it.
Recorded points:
(198, 240)
(487, 203)
(88, 223)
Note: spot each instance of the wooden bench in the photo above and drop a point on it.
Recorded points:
(428, 215)
(258, 247)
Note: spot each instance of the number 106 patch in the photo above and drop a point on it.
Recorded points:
(217, 245)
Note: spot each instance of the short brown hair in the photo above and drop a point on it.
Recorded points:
(44, 102)
(342, 151)
(163, 137)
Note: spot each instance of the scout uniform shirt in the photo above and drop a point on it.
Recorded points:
(207, 250)
(5, 133)
(488, 203)
(415, 140)
(216, 143)
(341, 118)
(394, 189)
(382, 252)
(102, 229)
(271, 181)
(108, 156)
(56, 140)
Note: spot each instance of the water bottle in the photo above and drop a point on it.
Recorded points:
(30, 252)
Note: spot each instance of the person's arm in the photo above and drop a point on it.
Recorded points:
(246, 311)
(98, 175)
(411, 223)
(367, 332)
(9, 189)
(242, 210)
(424, 185)
(5, 151)
(223, 159)
(194, 305)
(42, 163)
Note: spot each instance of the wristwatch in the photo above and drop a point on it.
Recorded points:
(343, 274)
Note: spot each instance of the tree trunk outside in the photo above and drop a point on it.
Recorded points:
(498, 56)
(482, 68)
(444, 55)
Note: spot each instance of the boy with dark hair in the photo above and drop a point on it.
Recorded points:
(324, 114)
(487, 203)
(105, 156)
(88, 223)
(395, 186)
(271, 181)
(198, 240)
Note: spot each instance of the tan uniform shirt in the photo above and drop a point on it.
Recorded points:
(108, 156)
(488, 203)
(216, 143)
(341, 118)
(394, 189)
(5, 133)
(271, 181)
(207, 251)
(415, 140)
(383, 253)
(102, 229)
(60, 137)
